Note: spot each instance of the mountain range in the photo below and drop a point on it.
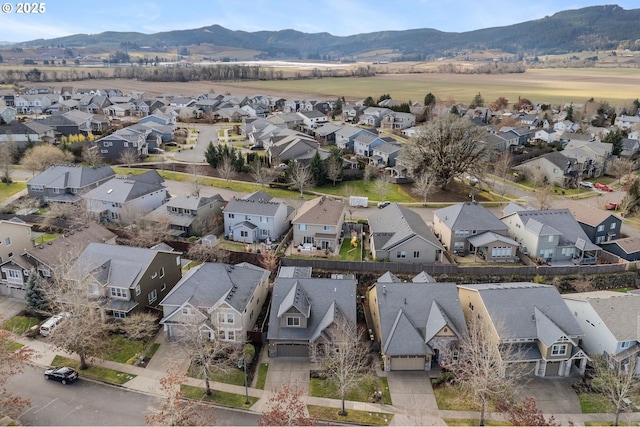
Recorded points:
(588, 29)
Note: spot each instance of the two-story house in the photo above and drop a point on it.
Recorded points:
(256, 218)
(470, 227)
(397, 120)
(312, 119)
(385, 154)
(220, 300)
(416, 323)
(345, 137)
(303, 311)
(600, 226)
(532, 318)
(557, 169)
(318, 224)
(611, 324)
(124, 198)
(126, 279)
(365, 142)
(15, 239)
(115, 145)
(551, 235)
(66, 183)
(398, 234)
(188, 215)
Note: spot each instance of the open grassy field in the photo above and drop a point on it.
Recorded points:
(618, 86)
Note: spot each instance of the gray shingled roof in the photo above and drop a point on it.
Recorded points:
(516, 308)
(71, 176)
(412, 313)
(469, 216)
(325, 296)
(556, 221)
(121, 190)
(207, 283)
(396, 224)
(487, 237)
(321, 211)
(258, 203)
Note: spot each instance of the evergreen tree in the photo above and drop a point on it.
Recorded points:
(615, 138)
(212, 155)
(35, 295)
(317, 169)
(569, 115)
(478, 101)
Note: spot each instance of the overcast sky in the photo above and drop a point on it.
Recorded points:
(338, 17)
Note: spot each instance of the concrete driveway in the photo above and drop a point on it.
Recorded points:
(287, 371)
(553, 395)
(412, 395)
(9, 307)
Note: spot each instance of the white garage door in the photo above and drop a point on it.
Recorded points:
(407, 363)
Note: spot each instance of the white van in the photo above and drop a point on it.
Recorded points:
(51, 323)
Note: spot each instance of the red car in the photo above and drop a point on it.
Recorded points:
(611, 206)
(603, 187)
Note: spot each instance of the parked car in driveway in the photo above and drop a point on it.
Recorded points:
(611, 206)
(586, 184)
(61, 374)
(603, 187)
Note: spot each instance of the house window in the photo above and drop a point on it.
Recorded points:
(163, 287)
(119, 292)
(264, 219)
(177, 260)
(461, 233)
(162, 272)
(416, 254)
(302, 227)
(226, 318)
(232, 216)
(138, 290)
(470, 306)
(12, 274)
(115, 215)
(37, 188)
(559, 349)
(327, 228)
(244, 234)
(625, 344)
(264, 232)
(119, 314)
(550, 240)
(458, 245)
(293, 321)
(56, 191)
(455, 355)
(613, 226)
(186, 310)
(153, 295)
(401, 254)
(154, 275)
(601, 227)
(7, 241)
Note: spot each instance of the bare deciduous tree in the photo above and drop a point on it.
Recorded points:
(73, 214)
(449, 147)
(502, 167)
(369, 172)
(128, 157)
(300, 178)
(196, 180)
(270, 261)
(424, 183)
(334, 168)
(346, 365)
(226, 169)
(262, 174)
(5, 163)
(616, 380)
(347, 192)
(173, 409)
(381, 186)
(544, 196)
(621, 167)
(535, 175)
(40, 157)
(12, 362)
(139, 326)
(286, 408)
(485, 370)
(92, 156)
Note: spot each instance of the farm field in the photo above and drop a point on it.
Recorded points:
(618, 86)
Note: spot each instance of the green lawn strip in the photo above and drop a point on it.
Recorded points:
(473, 422)
(122, 349)
(360, 188)
(262, 376)
(8, 190)
(229, 375)
(592, 403)
(11, 345)
(93, 371)
(152, 350)
(386, 394)
(361, 392)
(453, 398)
(353, 416)
(46, 237)
(350, 253)
(20, 324)
(220, 397)
(607, 423)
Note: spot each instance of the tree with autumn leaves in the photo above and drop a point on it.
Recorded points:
(13, 359)
(286, 408)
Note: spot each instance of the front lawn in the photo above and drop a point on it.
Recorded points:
(353, 416)
(473, 422)
(20, 324)
(122, 349)
(8, 190)
(453, 398)
(217, 396)
(360, 188)
(95, 372)
(362, 392)
(262, 376)
(228, 375)
(593, 403)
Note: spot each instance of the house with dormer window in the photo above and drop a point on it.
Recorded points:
(223, 300)
(256, 217)
(66, 183)
(416, 323)
(188, 215)
(303, 310)
(125, 279)
(534, 319)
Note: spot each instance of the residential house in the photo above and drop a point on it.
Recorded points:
(385, 154)
(159, 118)
(318, 225)
(125, 279)
(115, 145)
(303, 311)
(7, 114)
(47, 257)
(373, 116)
(222, 301)
(397, 120)
(311, 120)
(256, 218)
(15, 238)
(188, 215)
(66, 183)
(470, 227)
(627, 248)
(481, 114)
(400, 235)
(555, 167)
(599, 225)
(124, 198)
(592, 157)
(345, 137)
(293, 147)
(534, 319)
(289, 120)
(34, 104)
(65, 126)
(326, 134)
(553, 236)
(611, 324)
(365, 142)
(23, 134)
(351, 113)
(626, 122)
(630, 147)
(566, 126)
(547, 136)
(417, 324)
